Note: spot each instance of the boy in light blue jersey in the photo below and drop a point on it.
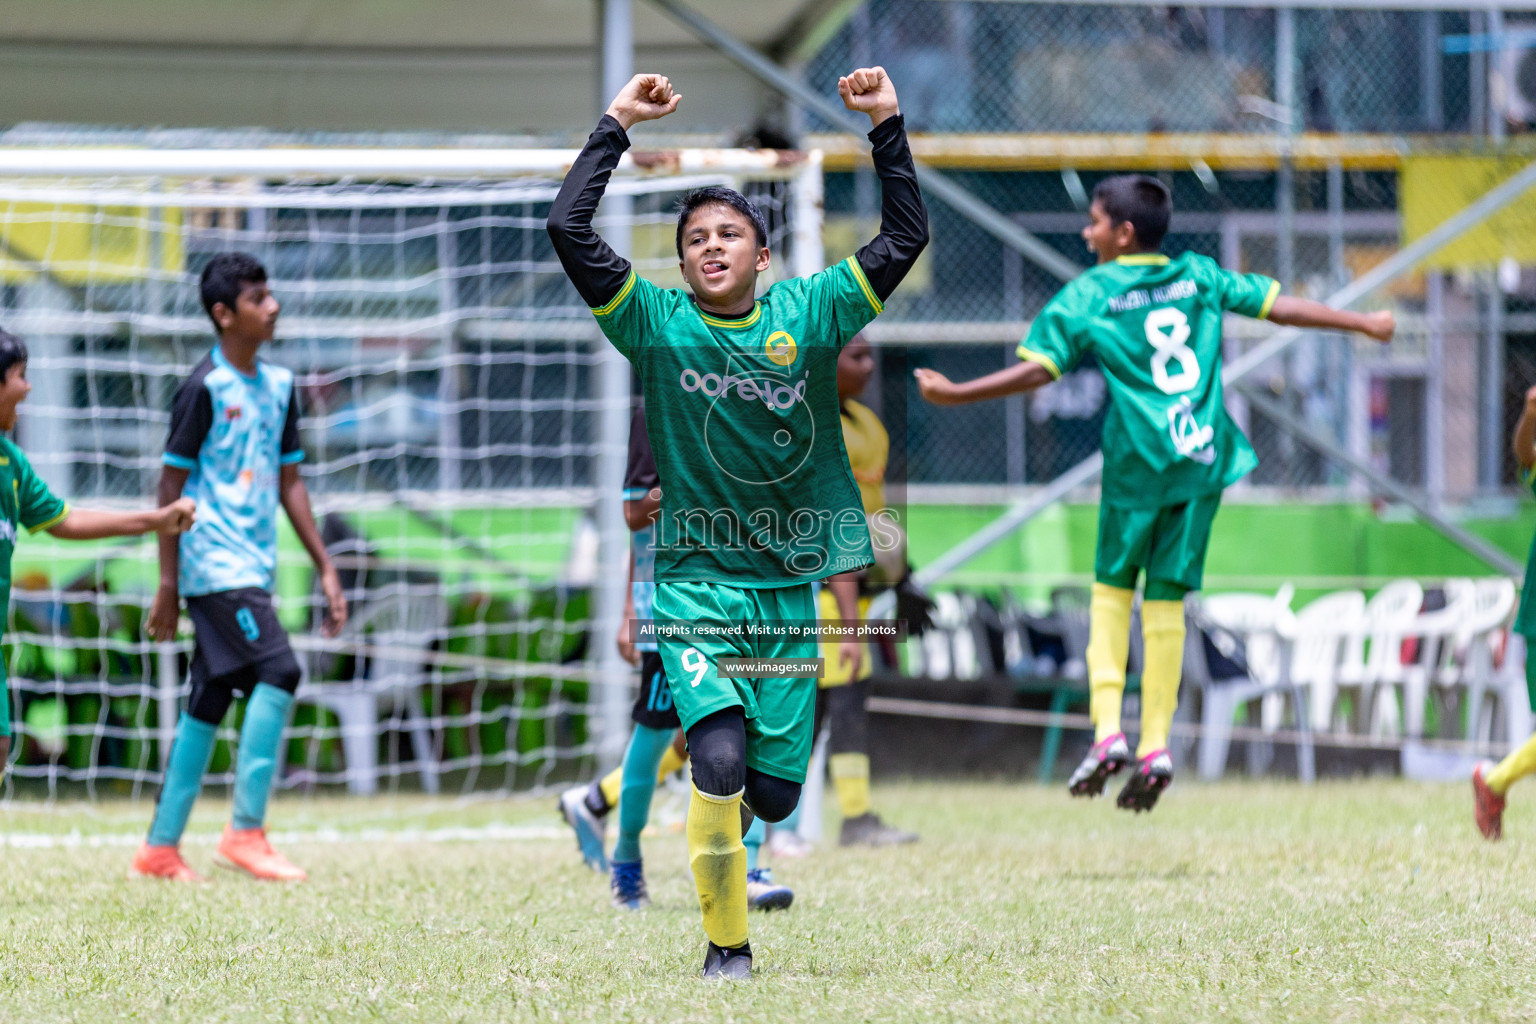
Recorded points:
(234, 446)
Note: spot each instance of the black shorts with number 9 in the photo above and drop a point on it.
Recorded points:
(237, 638)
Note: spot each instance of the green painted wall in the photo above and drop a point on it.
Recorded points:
(1254, 546)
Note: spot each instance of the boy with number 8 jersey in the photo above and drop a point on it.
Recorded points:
(1154, 325)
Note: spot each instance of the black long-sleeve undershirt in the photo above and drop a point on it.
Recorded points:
(593, 267)
(599, 273)
(903, 218)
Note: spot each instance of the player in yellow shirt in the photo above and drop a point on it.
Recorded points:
(844, 693)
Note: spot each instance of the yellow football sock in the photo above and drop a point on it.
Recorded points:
(1520, 763)
(719, 862)
(1162, 631)
(671, 761)
(610, 784)
(850, 775)
(1109, 644)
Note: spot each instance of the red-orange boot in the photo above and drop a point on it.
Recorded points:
(247, 850)
(1487, 806)
(162, 862)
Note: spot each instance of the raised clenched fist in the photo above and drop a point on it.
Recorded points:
(869, 91)
(644, 98)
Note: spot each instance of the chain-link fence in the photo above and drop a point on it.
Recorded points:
(1056, 67)
(1256, 118)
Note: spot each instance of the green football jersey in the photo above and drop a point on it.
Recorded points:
(1525, 619)
(26, 502)
(1154, 325)
(756, 490)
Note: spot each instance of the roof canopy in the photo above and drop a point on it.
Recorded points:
(371, 65)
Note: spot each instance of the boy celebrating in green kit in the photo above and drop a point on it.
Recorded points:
(27, 502)
(758, 499)
(1154, 324)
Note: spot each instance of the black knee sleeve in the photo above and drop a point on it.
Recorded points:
(282, 672)
(848, 718)
(770, 797)
(209, 699)
(717, 752)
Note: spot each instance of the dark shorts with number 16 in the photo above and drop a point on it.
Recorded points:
(237, 636)
(653, 706)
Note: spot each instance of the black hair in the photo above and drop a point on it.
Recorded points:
(225, 276)
(719, 195)
(12, 351)
(1144, 202)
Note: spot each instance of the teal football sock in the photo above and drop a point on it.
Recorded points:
(637, 785)
(753, 841)
(792, 823)
(261, 737)
(190, 753)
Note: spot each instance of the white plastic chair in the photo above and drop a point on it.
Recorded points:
(1494, 604)
(403, 621)
(1372, 661)
(1259, 623)
(1436, 674)
(1316, 635)
(948, 649)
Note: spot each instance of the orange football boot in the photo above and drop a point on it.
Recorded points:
(1487, 806)
(247, 850)
(162, 862)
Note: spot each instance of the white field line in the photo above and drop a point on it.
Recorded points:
(322, 837)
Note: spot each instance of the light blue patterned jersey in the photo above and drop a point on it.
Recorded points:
(643, 588)
(233, 433)
(639, 477)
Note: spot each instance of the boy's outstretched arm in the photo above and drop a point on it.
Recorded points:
(903, 217)
(89, 524)
(593, 267)
(1290, 311)
(1016, 379)
(166, 609)
(1524, 441)
(295, 498)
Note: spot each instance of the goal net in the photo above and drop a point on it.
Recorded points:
(459, 433)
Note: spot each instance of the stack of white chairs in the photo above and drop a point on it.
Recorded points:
(1437, 675)
(1493, 605)
(1342, 664)
(1372, 663)
(1253, 632)
(1317, 637)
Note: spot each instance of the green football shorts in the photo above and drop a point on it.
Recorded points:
(1168, 544)
(781, 713)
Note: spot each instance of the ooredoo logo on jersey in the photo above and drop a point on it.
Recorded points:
(774, 392)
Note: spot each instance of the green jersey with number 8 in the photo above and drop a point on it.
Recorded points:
(1154, 325)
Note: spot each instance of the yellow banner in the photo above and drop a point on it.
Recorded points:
(78, 245)
(1434, 188)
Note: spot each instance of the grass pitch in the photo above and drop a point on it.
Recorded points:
(1348, 901)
